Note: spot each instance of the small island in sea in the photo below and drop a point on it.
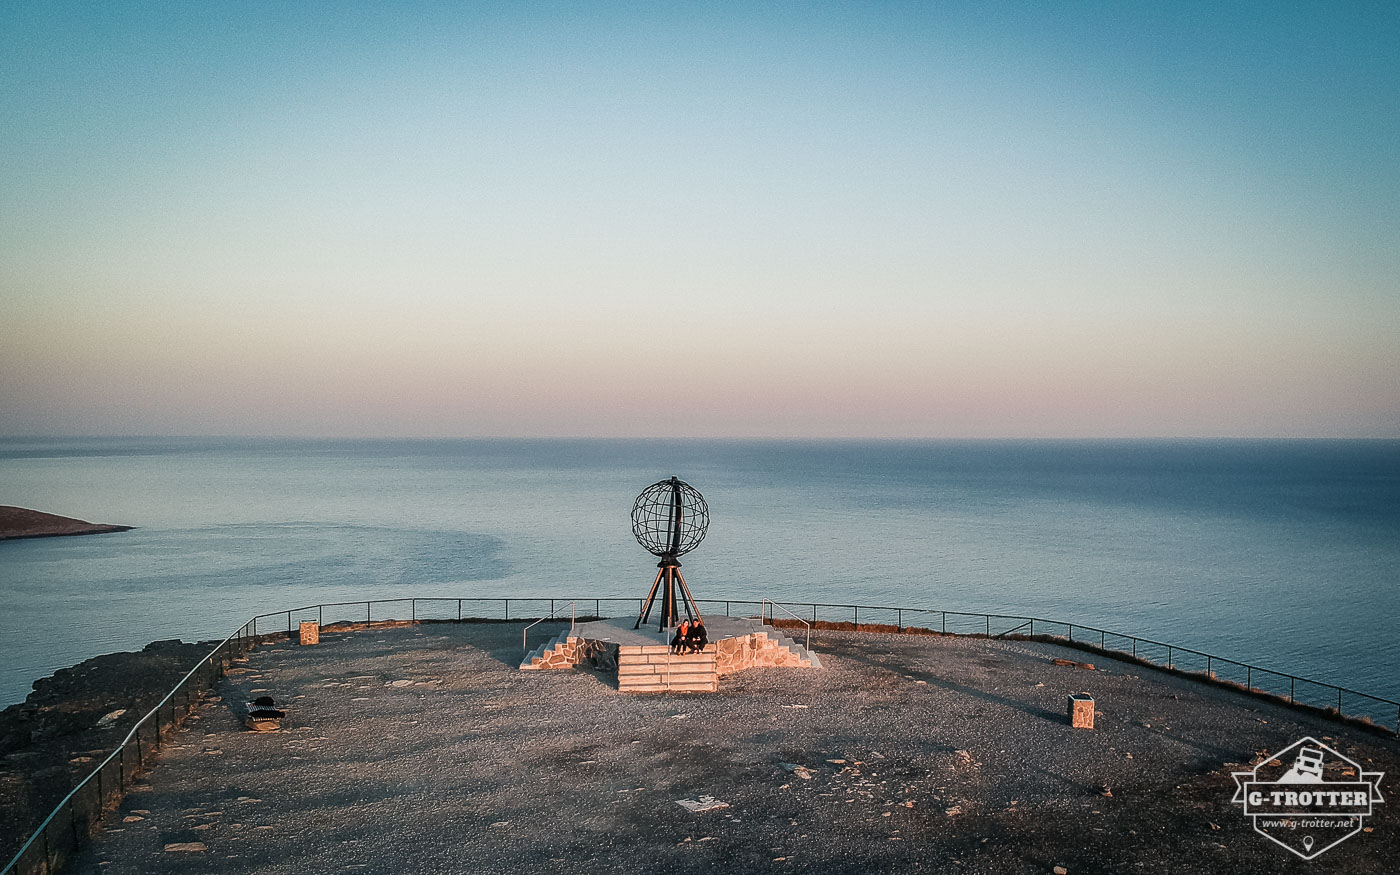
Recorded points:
(21, 522)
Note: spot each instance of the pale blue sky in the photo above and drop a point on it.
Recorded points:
(815, 219)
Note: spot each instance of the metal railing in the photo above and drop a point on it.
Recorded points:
(1253, 678)
(573, 617)
(1295, 689)
(762, 609)
(72, 821)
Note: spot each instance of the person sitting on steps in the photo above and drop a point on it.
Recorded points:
(698, 637)
(682, 636)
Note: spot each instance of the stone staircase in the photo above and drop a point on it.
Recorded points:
(799, 655)
(652, 668)
(561, 651)
(655, 669)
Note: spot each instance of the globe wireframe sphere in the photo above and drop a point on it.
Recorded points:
(654, 520)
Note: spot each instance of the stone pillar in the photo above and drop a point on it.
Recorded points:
(310, 632)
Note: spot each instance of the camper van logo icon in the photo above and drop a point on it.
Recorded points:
(1308, 797)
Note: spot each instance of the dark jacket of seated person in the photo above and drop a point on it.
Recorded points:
(698, 637)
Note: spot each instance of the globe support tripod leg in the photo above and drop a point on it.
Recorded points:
(645, 613)
(692, 610)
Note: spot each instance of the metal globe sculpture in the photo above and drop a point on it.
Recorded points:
(669, 519)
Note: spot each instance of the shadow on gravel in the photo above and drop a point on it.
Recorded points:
(507, 650)
(954, 687)
(1056, 717)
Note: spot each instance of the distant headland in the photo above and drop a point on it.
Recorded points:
(21, 522)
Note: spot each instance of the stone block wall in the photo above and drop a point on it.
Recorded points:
(755, 650)
(571, 650)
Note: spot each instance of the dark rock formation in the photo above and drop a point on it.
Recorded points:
(71, 721)
(21, 522)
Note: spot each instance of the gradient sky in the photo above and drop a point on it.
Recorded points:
(791, 220)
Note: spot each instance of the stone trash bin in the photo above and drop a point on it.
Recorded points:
(310, 632)
(1081, 710)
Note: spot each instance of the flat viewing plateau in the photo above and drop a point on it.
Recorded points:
(424, 749)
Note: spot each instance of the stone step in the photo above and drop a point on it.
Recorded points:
(683, 673)
(530, 658)
(807, 655)
(645, 668)
(647, 671)
(657, 660)
(677, 659)
(645, 649)
(535, 658)
(664, 659)
(784, 641)
(662, 671)
(669, 688)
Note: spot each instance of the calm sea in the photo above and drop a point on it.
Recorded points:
(1286, 553)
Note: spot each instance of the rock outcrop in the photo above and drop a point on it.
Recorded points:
(21, 522)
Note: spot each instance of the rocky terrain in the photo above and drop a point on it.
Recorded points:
(70, 722)
(21, 522)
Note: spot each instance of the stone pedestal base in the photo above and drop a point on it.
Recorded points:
(310, 632)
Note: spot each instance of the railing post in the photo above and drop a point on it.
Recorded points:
(857, 607)
(1169, 656)
(1292, 688)
(726, 609)
(989, 625)
(1032, 627)
(413, 610)
(899, 620)
(814, 612)
(945, 622)
(1209, 673)
(551, 607)
(598, 608)
(289, 622)
(459, 610)
(1134, 648)
(1339, 701)
(507, 609)
(1101, 647)
(366, 613)
(1071, 631)
(320, 615)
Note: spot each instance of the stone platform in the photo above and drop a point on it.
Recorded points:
(644, 662)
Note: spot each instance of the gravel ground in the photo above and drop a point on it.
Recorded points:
(423, 749)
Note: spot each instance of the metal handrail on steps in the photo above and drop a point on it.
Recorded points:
(762, 611)
(524, 633)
